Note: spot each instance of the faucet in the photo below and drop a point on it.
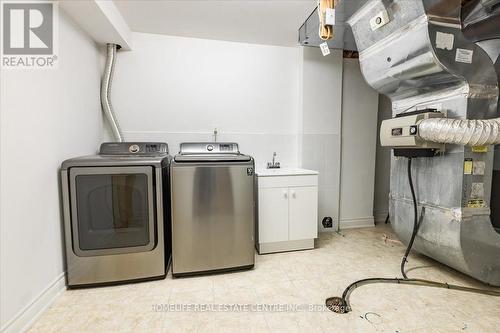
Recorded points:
(273, 164)
(215, 134)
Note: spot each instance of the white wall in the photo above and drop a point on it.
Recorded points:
(383, 165)
(176, 89)
(359, 131)
(46, 116)
(267, 98)
(321, 116)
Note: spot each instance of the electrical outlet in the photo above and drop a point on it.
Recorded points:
(327, 222)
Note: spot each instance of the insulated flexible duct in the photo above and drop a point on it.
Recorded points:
(467, 132)
(107, 77)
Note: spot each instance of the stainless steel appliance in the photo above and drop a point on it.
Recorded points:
(213, 205)
(116, 214)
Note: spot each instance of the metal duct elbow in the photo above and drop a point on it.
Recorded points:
(468, 132)
(107, 78)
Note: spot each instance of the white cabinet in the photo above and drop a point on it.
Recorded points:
(273, 209)
(288, 210)
(303, 213)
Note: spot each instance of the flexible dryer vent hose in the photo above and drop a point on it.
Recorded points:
(107, 77)
(466, 132)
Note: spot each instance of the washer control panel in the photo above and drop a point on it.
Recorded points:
(209, 148)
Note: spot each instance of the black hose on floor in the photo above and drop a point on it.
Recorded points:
(342, 305)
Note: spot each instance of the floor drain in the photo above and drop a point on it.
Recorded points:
(336, 304)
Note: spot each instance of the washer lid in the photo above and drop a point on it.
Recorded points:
(212, 158)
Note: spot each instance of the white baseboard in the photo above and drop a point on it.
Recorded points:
(30, 313)
(359, 222)
(380, 216)
(294, 245)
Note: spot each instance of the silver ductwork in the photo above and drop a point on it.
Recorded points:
(416, 53)
(107, 79)
(480, 19)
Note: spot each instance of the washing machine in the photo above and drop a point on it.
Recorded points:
(213, 208)
(116, 208)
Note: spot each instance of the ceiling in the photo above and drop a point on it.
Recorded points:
(272, 22)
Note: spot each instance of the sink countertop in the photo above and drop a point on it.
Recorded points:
(285, 172)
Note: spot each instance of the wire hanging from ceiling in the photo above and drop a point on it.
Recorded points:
(325, 32)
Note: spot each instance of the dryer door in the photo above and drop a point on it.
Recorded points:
(112, 210)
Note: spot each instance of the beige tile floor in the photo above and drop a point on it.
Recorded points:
(296, 278)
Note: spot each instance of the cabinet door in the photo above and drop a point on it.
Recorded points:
(273, 215)
(303, 212)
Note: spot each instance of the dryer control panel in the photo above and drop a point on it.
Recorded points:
(133, 148)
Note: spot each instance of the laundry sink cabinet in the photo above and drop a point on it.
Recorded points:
(287, 210)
